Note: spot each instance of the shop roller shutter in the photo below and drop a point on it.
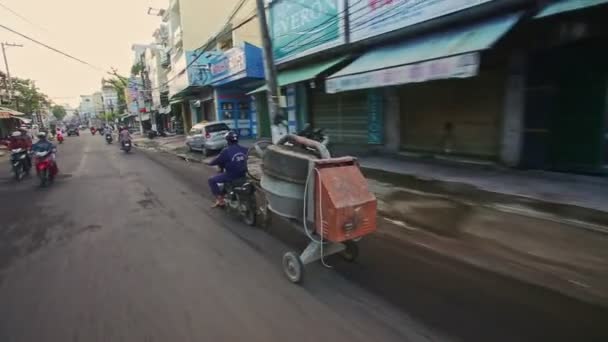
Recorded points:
(342, 115)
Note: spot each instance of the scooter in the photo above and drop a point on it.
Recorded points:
(240, 199)
(109, 138)
(60, 138)
(46, 168)
(20, 164)
(126, 146)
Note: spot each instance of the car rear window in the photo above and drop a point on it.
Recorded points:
(217, 128)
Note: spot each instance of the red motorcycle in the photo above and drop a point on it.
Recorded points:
(46, 169)
(93, 130)
(60, 138)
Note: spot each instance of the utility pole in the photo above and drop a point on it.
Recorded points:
(9, 84)
(278, 126)
(142, 60)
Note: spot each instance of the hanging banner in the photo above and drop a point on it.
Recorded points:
(368, 18)
(461, 66)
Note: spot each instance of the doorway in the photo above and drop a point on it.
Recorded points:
(565, 123)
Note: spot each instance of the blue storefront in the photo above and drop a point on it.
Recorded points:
(233, 73)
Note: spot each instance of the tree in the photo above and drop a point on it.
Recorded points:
(119, 83)
(58, 112)
(28, 99)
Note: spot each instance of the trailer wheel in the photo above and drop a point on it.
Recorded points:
(351, 253)
(293, 267)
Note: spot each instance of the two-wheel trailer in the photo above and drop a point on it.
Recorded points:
(328, 197)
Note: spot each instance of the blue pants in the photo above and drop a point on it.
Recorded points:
(215, 180)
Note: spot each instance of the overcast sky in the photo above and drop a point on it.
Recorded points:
(98, 31)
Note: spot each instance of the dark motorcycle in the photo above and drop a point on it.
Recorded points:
(240, 198)
(109, 138)
(154, 134)
(126, 146)
(21, 165)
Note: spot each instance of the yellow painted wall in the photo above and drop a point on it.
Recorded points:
(201, 19)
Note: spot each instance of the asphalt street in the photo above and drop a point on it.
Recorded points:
(125, 247)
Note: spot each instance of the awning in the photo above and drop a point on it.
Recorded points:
(567, 6)
(301, 74)
(7, 113)
(24, 120)
(450, 54)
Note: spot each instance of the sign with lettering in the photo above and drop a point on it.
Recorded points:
(460, 66)
(302, 27)
(228, 64)
(375, 117)
(368, 18)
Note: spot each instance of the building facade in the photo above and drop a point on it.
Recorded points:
(447, 78)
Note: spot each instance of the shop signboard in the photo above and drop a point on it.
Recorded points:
(228, 64)
(375, 117)
(460, 66)
(302, 27)
(198, 62)
(236, 63)
(368, 18)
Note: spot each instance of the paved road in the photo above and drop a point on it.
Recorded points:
(126, 248)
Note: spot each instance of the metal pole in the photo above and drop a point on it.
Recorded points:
(270, 72)
(143, 84)
(9, 85)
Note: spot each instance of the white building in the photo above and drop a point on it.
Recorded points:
(110, 99)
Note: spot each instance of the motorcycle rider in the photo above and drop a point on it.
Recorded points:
(59, 134)
(124, 136)
(233, 161)
(20, 139)
(44, 145)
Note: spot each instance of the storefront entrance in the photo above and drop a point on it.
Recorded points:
(565, 123)
(454, 117)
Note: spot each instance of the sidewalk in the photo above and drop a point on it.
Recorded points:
(577, 190)
(547, 229)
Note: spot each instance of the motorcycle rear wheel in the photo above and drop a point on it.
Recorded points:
(44, 178)
(19, 172)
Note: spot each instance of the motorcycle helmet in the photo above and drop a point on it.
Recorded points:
(16, 134)
(41, 135)
(232, 137)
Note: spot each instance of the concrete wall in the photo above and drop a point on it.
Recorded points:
(392, 120)
(200, 20)
(513, 115)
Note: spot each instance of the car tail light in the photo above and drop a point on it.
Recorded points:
(208, 135)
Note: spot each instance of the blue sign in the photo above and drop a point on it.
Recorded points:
(198, 74)
(235, 64)
(375, 117)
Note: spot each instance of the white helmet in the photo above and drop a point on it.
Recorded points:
(16, 134)
(41, 135)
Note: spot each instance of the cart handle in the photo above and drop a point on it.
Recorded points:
(296, 139)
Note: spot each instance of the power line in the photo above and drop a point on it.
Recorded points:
(52, 48)
(22, 17)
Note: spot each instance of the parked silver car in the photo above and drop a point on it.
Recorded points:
(207, 137)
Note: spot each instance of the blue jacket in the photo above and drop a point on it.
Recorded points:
(233, 159)
(43, 146)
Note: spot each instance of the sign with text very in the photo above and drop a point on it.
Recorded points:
(370, 18)
(461, 66)
(302, 27)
